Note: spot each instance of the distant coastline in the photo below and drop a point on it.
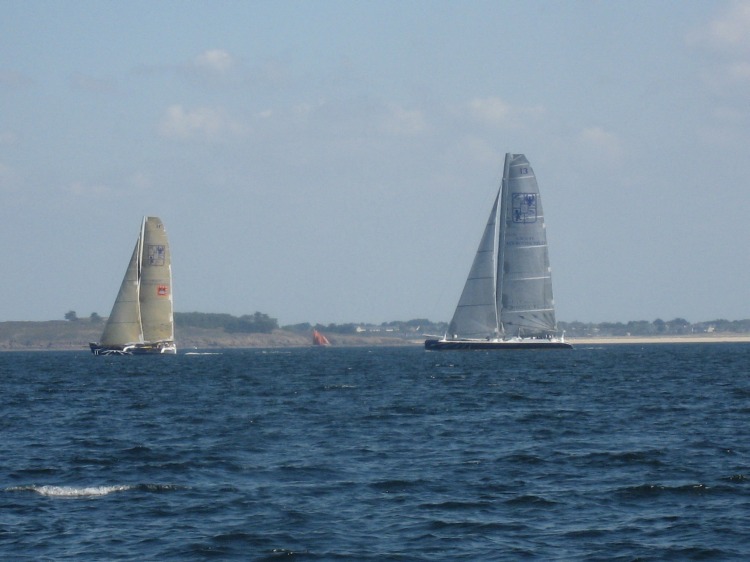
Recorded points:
(688, 338)
(60, 335)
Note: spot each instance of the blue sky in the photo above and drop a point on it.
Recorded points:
(332, 161)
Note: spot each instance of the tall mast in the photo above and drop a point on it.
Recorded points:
(500, 248)
(140, 271)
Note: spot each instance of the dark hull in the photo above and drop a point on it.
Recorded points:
(139, 349)
(479, 345)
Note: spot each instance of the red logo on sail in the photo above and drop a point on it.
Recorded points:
(162, 290)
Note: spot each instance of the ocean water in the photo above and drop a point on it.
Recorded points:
(599, 453)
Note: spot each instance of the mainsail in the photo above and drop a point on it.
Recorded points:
(156, 283)
(142, 319)
(508, 293)
(525, 280)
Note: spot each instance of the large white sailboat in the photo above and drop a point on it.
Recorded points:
(142, 319)
(507, 299)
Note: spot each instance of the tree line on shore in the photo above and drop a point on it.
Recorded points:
(263, 323)
(658, 327)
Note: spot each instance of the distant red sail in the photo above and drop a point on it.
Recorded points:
(319, 339)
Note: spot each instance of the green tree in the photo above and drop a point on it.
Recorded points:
(71, 316)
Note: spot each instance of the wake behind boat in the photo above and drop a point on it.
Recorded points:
(142, 319)
(507, 299)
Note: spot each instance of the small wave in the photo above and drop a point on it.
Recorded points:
(158, 488)
(456, 505)
(203, 353)
(529, 500)
(395, 485)
(625, 458)
(523, 458)
(737, 478)
(70, 491)
(650, 490)
(91, 491)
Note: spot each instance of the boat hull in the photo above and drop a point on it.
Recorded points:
(161, 348)
(482, 345)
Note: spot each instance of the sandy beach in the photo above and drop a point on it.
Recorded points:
(702, 338)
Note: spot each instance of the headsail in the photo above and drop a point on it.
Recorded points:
(476, 313)
(124, 323)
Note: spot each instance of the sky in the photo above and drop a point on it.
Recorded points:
(335, 161)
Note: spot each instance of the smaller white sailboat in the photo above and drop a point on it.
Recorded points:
(142, 318)
(507, 299)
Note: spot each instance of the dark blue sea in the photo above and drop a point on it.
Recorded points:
(617, 452)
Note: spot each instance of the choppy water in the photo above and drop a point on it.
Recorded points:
(601, 453)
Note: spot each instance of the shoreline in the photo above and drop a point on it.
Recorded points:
(703, 338)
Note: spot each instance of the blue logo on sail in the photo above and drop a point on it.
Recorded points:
(524, 207)
(156, 254)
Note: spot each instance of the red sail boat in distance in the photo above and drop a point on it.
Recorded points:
(320, 339)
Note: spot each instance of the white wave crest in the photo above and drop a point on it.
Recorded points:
(72, 491)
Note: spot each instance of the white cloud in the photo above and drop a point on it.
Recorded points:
(141, 181)
(727, 79)
(727, 127)
(13, 80)
(8, 138)
(603, 144)
(493, 110)
(81, 189)
(738, 70)
(8, 178)
(215, 60)
(91, 84)
(730, 30)
(729, 114)
(725, 42)
(303, 109)
(496, 111)
(202, 123)
(400, 121)
(477, 149)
